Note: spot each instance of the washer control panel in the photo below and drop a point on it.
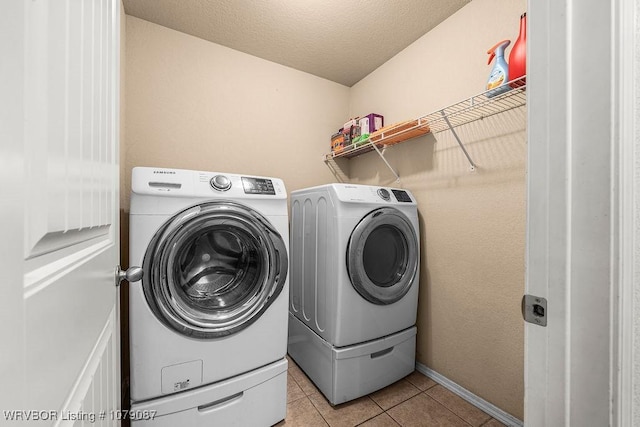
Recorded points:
(257, 186)
(220, 183)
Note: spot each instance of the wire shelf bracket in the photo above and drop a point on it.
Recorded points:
(332, 167)
(455, 135)
(393, 171)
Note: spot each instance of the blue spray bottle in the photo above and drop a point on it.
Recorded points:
(500, 71)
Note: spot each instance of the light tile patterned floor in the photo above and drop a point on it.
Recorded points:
(413, 401)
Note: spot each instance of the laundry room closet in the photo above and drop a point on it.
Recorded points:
(188, 103)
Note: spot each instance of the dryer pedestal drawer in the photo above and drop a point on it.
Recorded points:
(346, 373)
(364, 368)
(257, 398)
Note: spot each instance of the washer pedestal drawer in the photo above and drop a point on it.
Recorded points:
(256, 398)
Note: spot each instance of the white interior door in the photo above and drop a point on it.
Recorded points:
(577, 210)
(60, 211)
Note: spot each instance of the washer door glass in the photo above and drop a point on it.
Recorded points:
(213, 269)
(382, 256)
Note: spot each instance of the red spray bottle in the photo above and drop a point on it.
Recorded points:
(518, 55)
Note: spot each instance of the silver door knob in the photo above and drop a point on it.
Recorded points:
(132, 274)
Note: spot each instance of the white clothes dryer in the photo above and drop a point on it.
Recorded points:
(355, 256)
(211, 307)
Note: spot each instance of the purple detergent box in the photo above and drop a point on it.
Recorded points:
(371, 123)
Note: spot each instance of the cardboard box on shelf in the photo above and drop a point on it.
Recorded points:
(337, 142)
(371, 123)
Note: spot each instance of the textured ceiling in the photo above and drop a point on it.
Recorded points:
(340, 40)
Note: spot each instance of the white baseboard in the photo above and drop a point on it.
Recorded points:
(494, 411)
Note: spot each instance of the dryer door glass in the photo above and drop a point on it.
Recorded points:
(213, 269)
(382, 256)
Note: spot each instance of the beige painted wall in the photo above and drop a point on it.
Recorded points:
(473, 224)
(193, 104)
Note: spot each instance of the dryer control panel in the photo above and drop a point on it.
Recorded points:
(402, 196)
(355, 193)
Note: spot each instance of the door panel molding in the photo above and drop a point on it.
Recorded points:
(96, 390)
(38, 279)
(69, 114)
(56, 240)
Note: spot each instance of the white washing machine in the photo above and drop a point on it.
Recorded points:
(355, 256)
(208, 319)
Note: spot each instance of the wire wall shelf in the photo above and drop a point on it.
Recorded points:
(478, 107)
